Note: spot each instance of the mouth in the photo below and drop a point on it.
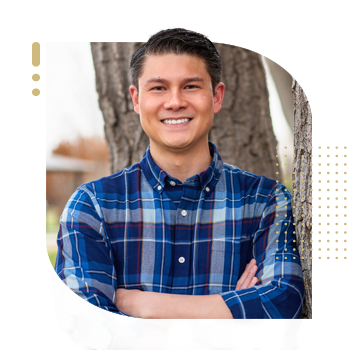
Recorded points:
(176, 121)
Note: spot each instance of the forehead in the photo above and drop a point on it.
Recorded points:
(173, 66)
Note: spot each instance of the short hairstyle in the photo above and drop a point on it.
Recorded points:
(177, 41)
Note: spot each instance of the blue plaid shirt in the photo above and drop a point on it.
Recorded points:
(142, 229)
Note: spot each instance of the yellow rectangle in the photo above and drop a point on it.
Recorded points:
(36, 54)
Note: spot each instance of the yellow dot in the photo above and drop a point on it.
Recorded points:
(36, 92)
(36, 77)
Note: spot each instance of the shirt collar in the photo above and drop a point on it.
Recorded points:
(208, 178)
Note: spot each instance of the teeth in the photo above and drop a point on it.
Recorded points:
(173, 121)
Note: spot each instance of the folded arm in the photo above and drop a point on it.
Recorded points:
(160, 305)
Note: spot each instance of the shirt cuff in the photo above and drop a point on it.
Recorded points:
(245, 306)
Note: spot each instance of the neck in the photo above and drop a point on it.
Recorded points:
(184, 163)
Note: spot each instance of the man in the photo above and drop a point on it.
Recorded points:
(181, 234)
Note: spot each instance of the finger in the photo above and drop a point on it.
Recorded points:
(253, 282)
(249, 278)
(245, 274)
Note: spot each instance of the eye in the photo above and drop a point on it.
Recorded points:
(162, 87)
(191, 87)
(158, 88)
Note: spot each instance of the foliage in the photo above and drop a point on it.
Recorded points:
(52, 220)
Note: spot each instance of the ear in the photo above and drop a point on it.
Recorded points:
(135, 98)
(218, 97)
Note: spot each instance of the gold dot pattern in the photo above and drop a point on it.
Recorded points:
(332, 207)
(36, 63)
(293, 194)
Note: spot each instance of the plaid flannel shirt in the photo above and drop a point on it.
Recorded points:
(143, 229)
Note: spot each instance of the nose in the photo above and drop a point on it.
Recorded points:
(175, 100)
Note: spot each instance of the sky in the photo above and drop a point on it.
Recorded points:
(72, 100)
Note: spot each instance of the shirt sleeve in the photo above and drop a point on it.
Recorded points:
(279, 293)
(85, 261)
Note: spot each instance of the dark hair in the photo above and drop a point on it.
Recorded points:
(178, 41)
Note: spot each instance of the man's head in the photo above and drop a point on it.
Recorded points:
(176, 89)
(177, 41)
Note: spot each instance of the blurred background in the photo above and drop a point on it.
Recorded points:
(76, 149)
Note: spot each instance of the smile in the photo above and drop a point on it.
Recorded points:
(176, 121)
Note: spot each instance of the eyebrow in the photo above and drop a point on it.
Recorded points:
(163, 81)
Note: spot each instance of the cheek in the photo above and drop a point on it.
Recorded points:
(150, 105)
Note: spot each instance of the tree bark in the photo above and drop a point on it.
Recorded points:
(302, 189)
(242, 130)
(126, 140)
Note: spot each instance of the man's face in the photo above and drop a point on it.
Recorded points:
(175, 101)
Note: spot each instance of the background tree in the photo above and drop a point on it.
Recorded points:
(302, 186)
(242, 130)
(126, 140)
(297, 111)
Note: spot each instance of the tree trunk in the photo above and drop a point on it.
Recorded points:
(302, 188)
(126, 140)
(242, 130)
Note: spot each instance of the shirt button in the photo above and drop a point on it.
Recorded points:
(172, 183)
(159, 188)
(181, 260)
(184, 213)
(207, 189)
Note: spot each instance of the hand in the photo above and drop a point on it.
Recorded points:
(126, 301)
(247, 279)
